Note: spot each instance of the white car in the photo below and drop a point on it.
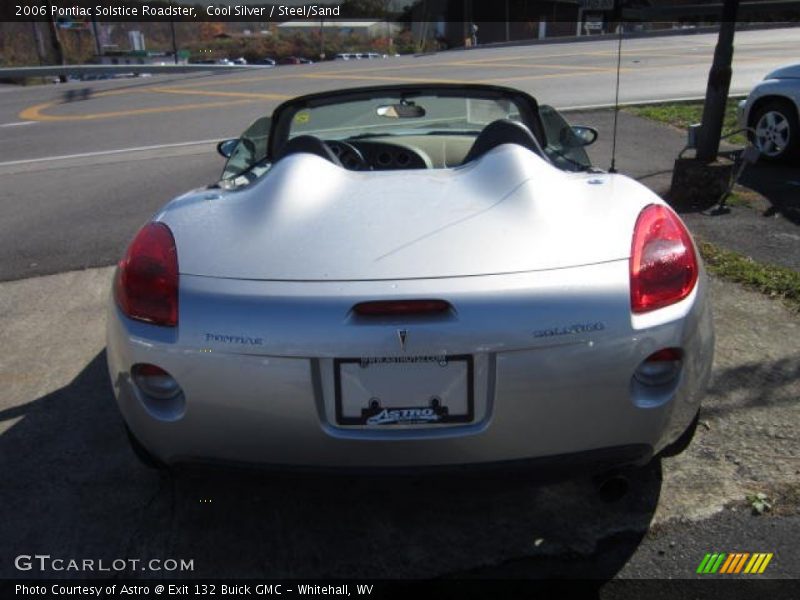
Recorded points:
(771, 112)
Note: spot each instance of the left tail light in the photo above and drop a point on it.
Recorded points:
(663, 263)
(146, 286)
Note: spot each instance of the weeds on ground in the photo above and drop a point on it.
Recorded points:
(683, 114)
(768, 279)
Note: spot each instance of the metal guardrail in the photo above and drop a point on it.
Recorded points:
(84, 70)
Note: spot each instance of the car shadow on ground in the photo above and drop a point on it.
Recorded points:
(75, 490)
(779, 184)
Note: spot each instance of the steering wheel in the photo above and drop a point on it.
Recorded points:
(350, 156)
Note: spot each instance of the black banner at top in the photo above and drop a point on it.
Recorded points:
(433, 11)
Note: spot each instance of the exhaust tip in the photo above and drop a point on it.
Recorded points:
(613, 487)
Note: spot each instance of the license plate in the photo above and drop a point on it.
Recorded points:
(404, 391)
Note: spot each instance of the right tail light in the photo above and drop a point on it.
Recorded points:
(663, 263)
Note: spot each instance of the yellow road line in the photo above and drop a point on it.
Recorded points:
(390, 78)
(174, 90)
(536, 66)
(34, 113)
(223, 81)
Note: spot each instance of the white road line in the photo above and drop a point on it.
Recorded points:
(18, 123)
(732, 96)
(106, 152)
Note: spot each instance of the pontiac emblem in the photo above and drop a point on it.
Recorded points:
(402, 335)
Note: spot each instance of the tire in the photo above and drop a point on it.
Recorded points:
(777, 131)
(683, 440)
(144, 456)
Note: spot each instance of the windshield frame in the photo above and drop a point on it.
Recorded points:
(283, 115)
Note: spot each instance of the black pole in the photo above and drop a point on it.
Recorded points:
(97, 46)
(37, 36)
(719, 83)
(174, 42)
(55, 41)
(321, 39)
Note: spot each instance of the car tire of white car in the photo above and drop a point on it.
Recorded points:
(777, 130)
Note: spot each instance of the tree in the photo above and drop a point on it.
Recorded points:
(719, 82)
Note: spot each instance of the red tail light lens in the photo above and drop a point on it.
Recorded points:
(389, 308)
(146, 287)
(663, 265)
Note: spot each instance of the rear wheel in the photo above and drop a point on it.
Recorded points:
(777, 131)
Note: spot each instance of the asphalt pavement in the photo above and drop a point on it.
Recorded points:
(39, 121)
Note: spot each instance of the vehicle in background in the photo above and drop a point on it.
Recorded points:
(359, 56)
(295, 60)
(265, 62)
(772, 113)
(239, 61)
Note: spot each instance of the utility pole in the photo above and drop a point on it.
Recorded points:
(508, 22)
(55, 40)
(321, 39)
(37, 36)
(719, 82)
(174, 41)
(97, 46)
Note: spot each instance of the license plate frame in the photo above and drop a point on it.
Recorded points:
(444, 418)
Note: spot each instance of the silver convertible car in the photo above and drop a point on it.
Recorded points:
(406, 277)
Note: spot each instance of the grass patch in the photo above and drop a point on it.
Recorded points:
(774, 281)
(683, 114)
(737, 199)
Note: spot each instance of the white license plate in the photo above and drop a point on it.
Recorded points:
(404, 391)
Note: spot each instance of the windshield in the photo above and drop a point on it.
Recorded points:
(417, 115)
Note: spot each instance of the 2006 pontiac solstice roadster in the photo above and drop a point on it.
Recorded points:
(411, 276)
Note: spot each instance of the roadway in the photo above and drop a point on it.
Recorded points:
(79, 177)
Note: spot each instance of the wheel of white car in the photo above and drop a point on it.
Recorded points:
(777, 131)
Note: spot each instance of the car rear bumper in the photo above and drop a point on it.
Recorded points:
(535, 397)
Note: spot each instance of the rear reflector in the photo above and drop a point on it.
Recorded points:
(155, 381)
(660, 368)
(383, 308)
(663, 264)
(666, 354)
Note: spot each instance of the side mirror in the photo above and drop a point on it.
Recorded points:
(227, 147)
(578, 136)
